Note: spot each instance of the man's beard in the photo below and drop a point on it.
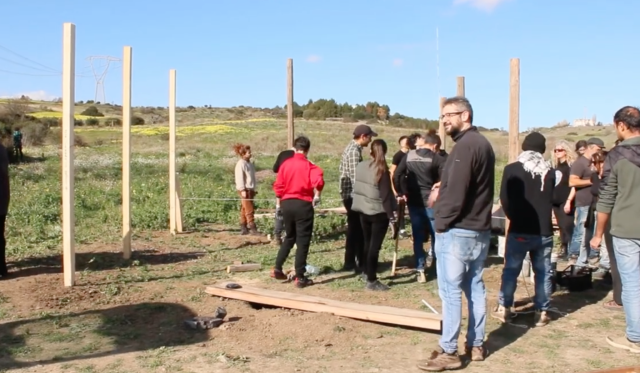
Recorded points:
(453, 131)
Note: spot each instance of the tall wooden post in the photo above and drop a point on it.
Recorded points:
(68, 142)
(172, 152)
(290, 125)
(441, 133)
(514, 110)
(460, 86)
(126, 152)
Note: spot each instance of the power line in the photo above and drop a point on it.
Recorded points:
(100, 75)
(26, 74)
(28, 59)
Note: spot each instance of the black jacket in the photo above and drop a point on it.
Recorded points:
(525, 202)
(283, 156)
(562, 190)
(466, 194)
(4, 181)
(416, 174)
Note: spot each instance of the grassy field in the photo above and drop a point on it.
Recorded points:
(127, 315)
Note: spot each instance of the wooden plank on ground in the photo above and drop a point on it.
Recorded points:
(244, 267)
(381, 314)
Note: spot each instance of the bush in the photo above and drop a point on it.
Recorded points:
(34, 134)
(78, 123)
(572, 134)
(92, 111)
(92, 122)
(113, 122)
(137, 121)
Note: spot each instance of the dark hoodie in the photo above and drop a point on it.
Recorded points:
(416, 174)
(619, 192)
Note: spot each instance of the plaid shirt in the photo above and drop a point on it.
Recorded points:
(351, 156)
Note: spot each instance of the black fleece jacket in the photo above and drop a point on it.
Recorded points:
(466, 193)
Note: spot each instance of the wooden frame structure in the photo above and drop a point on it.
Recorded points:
(68, 142)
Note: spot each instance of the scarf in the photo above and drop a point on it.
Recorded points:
(535, 164)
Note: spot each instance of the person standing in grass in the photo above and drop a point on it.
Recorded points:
(406, 144)
(279, 220)
(463, 232)
(563, 194)
(619, 200)
(351, 156)
(526, 196)
(245, 177)
(298, 186)
(373, 199)
(5, 195)
(17, 144)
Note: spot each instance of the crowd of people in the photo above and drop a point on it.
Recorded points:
(450, 198)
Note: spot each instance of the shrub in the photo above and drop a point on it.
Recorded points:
(137, 121)
(34, 134)
(572, 134)
(92, 111)
(92, 122)
(113, 122)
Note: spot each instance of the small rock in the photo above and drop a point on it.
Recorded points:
(220, 313)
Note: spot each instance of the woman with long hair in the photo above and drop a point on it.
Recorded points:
(245, 179)
(581, 146)
(373, 198)
(563, 194)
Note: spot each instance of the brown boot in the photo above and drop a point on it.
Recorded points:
(253, 230)
(476, 353)
(441, 361)
(244, 230)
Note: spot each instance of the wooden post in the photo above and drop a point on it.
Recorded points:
(68, 142)
(173, 226)
(126, 152)
(441, 133)
(290, 126)
(460, 88)
(514, 110)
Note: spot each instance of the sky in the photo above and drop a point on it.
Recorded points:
(575, 56)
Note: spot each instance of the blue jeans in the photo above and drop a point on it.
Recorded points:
(421, 218)
(627, 253)
(539, 249)
(461, 255)
(581, 236)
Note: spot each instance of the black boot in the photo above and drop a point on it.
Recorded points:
(253, 230)
(244, 230)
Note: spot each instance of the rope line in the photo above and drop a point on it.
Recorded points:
(239, 199)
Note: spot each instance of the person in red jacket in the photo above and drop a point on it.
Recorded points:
(298, 185)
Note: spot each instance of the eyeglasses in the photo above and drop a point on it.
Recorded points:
(449, 115)
(558, 150)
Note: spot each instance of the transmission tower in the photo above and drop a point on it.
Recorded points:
(100, 72)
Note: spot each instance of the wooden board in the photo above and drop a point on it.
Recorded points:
(381, 314)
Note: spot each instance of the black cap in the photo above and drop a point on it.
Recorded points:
(596, 141)
(364, 130)
(534, 141)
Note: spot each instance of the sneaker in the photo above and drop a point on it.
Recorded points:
(502, 313)
(278, 274)
(440, 361)
(302, 282)
(376, 286)
(422, 276)
(600, 274)
(624, 344)
(541, 318)
(476, 353)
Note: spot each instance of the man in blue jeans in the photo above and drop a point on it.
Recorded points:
(463, 225)
(580, 178)
(526, 196)
(414, 178)
(619, 201)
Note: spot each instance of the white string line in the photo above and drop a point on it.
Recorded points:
(253, 199)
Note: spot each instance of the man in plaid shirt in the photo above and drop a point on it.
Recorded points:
(352, 155)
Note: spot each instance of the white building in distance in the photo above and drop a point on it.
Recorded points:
(585, 122)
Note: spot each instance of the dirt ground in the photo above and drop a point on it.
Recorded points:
(128, 316)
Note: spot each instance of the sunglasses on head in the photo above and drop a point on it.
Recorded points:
(558, 150)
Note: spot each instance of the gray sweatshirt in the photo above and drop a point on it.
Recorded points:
(245, 175)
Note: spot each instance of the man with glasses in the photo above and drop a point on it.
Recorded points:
(580, 179)
(463, 227)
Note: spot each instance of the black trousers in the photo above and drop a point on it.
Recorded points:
(374, 229)
(298, 224)
(613, 268)
(354, 247)
(279, 224)
(565, 223)
(3, 247)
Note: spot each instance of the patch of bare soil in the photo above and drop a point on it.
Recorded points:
(128, 316)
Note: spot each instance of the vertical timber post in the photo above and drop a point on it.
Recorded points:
(441, 133)
(290, 125)
(173, 226)
(126, 152)
(514, 109)
(460, 86)
(68, 142)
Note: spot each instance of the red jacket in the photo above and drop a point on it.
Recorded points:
(297, 178)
